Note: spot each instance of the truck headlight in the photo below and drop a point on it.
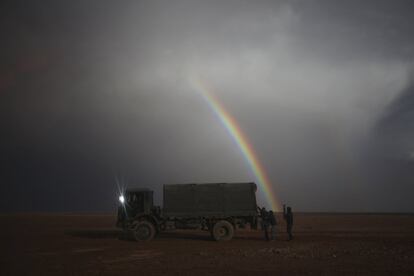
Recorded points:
(121, 199)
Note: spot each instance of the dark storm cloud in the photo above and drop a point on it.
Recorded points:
(395, 127)
(388, 155)
(95, 90)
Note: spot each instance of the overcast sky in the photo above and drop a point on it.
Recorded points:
(92, 92)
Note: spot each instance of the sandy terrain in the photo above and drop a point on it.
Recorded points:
(324, 244)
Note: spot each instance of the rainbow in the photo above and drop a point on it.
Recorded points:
(240, 139)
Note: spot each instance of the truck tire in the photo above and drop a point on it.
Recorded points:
(144, 231)
(223, 231)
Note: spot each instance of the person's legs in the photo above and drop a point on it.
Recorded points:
(289, 230)
(266, 229)
(273, 232)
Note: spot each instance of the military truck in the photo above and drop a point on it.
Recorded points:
(217, 207)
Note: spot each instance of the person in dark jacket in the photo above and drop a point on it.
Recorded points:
(265, 222)
(272, 222)
(288, 216)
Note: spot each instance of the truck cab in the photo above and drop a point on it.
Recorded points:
(134, 203)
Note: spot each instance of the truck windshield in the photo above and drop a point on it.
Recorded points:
(136, 201)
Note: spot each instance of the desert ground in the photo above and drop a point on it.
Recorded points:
(324, 244)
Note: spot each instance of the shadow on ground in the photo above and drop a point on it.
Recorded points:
(168, 235)
(95, 233)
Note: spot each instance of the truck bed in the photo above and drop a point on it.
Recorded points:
(210, 200)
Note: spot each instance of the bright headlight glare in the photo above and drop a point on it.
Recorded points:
(121, 199)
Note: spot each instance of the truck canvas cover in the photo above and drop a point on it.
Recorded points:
(217, 199)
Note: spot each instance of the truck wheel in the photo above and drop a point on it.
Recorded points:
(223, 231)
(144, 231)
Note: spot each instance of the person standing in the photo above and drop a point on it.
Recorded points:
(288, 216)
(265, 222)
(273, 223)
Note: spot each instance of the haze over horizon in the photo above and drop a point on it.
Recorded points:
(95, 92)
